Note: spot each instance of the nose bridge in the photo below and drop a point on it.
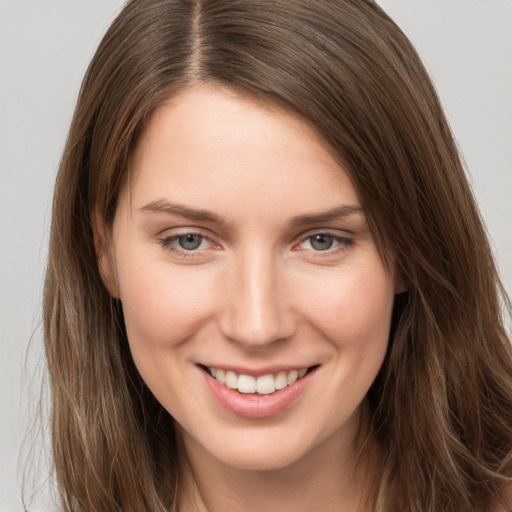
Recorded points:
(256, 311)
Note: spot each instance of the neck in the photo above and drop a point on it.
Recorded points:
(331, 477)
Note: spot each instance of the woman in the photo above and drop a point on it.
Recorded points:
(269, 287)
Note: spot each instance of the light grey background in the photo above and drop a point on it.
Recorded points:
(45, 47)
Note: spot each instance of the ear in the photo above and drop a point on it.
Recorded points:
(103, 253)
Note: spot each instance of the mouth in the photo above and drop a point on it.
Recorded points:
(266, 384)
(262, 395)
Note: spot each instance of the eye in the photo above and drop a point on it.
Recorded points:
(190, 241)
(186, 243)
(324, 244)
(320, 242)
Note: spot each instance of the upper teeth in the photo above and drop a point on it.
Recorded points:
(264, 385)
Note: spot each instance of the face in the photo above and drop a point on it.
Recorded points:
(256, 303)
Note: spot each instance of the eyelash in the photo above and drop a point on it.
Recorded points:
(343, 243)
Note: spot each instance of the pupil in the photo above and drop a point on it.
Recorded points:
(321, 242)
(190, 242)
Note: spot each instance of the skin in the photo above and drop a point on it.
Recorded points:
(255, 293)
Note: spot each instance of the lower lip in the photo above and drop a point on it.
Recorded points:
(254, 406)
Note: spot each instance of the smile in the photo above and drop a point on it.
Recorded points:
(262, 395)
(263, 385)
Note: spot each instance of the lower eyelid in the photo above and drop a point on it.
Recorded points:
(338, 251)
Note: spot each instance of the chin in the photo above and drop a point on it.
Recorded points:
(271, 459)
(267, 448)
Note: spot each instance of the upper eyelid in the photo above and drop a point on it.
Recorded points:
(302, 236)
(185, 230)
(331, 231)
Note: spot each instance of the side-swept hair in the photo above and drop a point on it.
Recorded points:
(441, 405)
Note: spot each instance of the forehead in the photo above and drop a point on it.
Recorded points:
(213, 147)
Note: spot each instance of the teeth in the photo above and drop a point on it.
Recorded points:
(281, 380)
(220, 375)
(231, 380)
(264, 385)
(246, 384)
(292, 377)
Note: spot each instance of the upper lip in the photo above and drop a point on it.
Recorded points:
(258, 372)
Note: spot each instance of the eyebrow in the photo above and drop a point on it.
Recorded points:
(163, 206)
(337, 213)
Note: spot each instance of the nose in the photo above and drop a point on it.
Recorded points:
(256, 308)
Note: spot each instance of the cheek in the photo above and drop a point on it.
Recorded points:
(353, 308)
(163, 305)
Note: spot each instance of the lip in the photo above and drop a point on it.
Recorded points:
(253, 405)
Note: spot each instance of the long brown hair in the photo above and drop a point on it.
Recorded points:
(441, 405)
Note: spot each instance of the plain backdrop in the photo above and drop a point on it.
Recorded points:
(44, 50)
